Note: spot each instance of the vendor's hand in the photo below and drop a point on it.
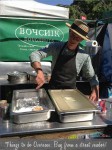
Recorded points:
(94, 97)
(40, 79)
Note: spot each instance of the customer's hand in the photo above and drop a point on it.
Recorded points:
(40, 79)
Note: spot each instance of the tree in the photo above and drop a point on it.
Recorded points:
(92, 9)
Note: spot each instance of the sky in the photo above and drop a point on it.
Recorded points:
(55, 2)
(51, 2)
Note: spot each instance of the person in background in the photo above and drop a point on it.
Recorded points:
(68, 59)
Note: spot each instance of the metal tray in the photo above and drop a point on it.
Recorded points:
(72, 105)
(23, 102)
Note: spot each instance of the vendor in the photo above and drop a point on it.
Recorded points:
(67, 61)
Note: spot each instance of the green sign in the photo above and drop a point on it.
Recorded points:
(21, 36)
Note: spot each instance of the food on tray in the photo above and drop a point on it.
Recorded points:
(37, 108)
(23, 109)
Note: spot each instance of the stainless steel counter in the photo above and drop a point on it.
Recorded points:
(8, 128)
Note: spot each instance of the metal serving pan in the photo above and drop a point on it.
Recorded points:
(17, 77)
(72, 105)
(30, 105)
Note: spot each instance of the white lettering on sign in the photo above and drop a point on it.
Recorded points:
(24, 31)
(38, 34)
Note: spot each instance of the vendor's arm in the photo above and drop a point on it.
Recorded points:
(89, 74)
(37, 56)
(40, 79)
(95, 93)
(35, 59)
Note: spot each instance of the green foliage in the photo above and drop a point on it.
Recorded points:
(92, 9)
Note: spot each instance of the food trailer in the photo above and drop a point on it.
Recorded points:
(20, 35)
